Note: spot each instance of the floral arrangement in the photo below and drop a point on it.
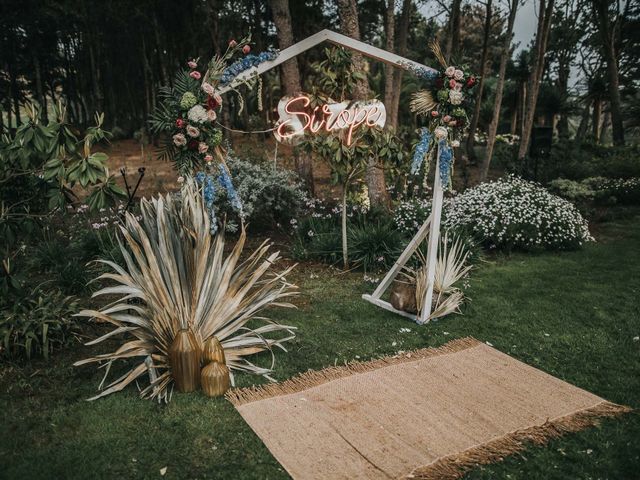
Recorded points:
(187, 119)
(445, 104)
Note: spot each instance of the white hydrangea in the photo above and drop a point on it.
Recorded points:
(197, 114)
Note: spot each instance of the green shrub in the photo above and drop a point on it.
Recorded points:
(37, 324)
(373, 239)
(598, 190)
(514, 213)
(270, 196)
(576, 162)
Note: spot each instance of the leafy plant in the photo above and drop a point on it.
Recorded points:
(37, 324)
(180, 277)
(451, 267)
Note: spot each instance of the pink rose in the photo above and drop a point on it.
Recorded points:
(179, 140)
(232, 43)
(208, 88)
(434, 113)
(192, 131)
(446, 118)
(195, 74)
(192, 64)
(208, 158)
(217, 98)
(452, 83)
(211, 115)
(450, 71)
(203, 147)
(458, 74)
(246, 49)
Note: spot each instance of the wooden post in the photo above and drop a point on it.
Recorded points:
(434, 241)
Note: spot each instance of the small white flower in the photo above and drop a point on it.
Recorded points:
(310, 233)
(458, 74)
(180, 180)
(455, 143)
(450, 71)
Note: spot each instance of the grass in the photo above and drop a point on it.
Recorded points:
(573, 315)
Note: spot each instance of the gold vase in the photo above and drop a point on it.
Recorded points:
(213, 351)
(215, 379)
(184, 356)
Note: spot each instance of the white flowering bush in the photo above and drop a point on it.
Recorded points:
(514, 213)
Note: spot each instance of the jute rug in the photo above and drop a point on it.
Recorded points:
(429, 414)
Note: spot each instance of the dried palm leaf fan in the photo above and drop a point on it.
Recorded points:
(179, 277)
(422, 101)
(450, 268)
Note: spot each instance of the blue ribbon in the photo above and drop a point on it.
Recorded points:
(446, 158)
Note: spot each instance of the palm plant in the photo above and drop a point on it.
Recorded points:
(451, 267)
(176, 276)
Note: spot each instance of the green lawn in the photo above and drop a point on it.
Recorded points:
(573, 315)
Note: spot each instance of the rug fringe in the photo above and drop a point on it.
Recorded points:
(455, 466)
(312, 378)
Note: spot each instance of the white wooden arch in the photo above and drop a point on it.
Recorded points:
(431, 226)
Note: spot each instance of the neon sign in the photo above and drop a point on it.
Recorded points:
(297, 118)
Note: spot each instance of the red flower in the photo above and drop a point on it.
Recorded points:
(471, 81)
(246, 49)
(193, 145)
(434, 113)
(180, 123)
(212, 104)
(452, 83)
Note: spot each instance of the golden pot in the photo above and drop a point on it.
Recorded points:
(215, 379)
(213, 351)
(184, 358)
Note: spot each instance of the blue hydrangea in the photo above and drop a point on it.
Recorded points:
(422, 149)
(245, 63)
(209, 195)
(446, 160)
(225, 180)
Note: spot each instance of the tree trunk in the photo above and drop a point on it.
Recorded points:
(584, 124)
(402, 37)
(453, 34)
(597, 114)
(471, 153)
(542, 36)
(290, 80)
(497, 103)
(378, 195)
(608, 36)
(389, 70)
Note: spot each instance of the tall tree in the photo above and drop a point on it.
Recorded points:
(389, 70)
(497, 103)
(545, 14)
(376, 184)
(483, 72)
(290, 78)
(608, 33)
(402, 38)
(453, 30)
